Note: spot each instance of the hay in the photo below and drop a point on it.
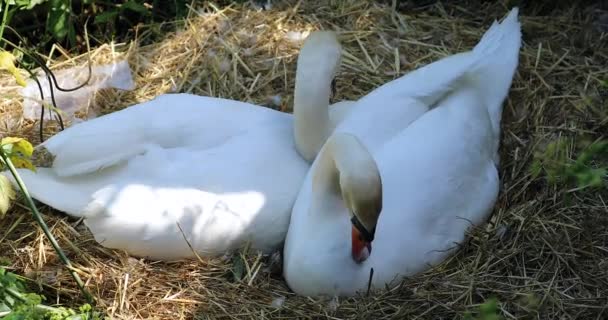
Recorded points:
(544, 253)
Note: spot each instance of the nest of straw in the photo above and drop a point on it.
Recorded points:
(543, 253)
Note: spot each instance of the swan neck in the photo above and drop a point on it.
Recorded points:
(326, 174)
(343, 164)
(311, 113)
(333, 162)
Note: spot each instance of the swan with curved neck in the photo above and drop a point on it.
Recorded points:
(218, 173)
(401, 202)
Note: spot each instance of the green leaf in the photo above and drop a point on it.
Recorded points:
(238, 267)
(106, 17)
(58, 18)
(134, 6)
(28, 4)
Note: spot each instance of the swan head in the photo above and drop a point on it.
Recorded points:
(361, 188)
(346, 170)
(318, 62)
(364, 203)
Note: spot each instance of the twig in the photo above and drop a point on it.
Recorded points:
(188, 243)
(369, 283)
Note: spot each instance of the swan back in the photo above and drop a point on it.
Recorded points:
(168, 120)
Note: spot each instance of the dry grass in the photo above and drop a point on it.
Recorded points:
(544, 253)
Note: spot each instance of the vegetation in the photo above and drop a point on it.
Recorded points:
(13, 300)
(567, 161)
(487, 311)
(17, 304)
(63, 21)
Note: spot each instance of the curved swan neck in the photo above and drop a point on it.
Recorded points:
(318, 61)
(345, 167)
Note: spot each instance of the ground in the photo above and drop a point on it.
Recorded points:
(543, 254)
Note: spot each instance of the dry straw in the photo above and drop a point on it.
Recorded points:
(544, 252)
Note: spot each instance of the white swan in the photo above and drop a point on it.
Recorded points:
(226, 171)
(413, 192)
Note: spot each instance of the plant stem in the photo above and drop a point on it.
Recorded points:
(4, 16)
(45, 228)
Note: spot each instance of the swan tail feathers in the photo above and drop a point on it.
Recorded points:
(105, 141)
(76, 159)
(45, 186)
(167, 121)
(491, 65)
(498, 55)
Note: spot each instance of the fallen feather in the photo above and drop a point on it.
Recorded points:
(278, 302)
(296, 36)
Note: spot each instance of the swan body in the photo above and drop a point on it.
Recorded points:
(410, 191)
(215, 172)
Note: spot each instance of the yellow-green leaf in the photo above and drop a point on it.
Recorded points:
(19, 145)
(7, 194)
(9, 140)
(7, 62)
(20, 152)
(22, 163)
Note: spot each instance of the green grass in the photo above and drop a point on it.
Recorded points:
(16, 303)
(576, 162)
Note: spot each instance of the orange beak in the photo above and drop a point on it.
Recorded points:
(361, 249)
